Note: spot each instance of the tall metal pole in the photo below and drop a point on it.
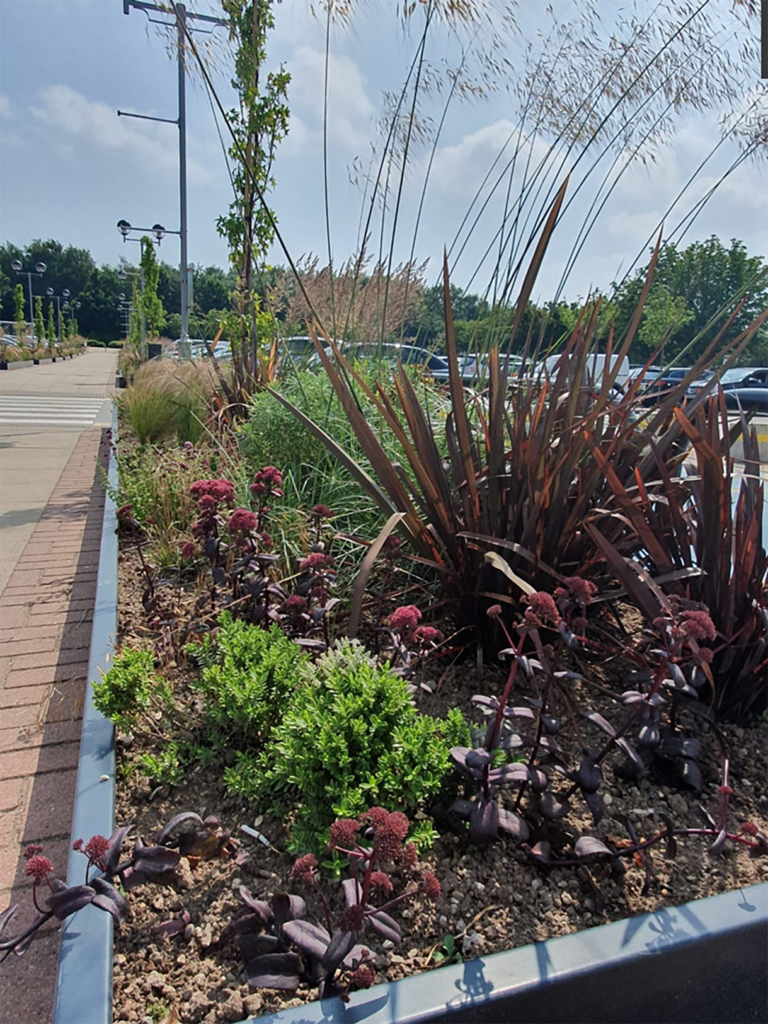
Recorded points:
(182, 16)
(181, 20)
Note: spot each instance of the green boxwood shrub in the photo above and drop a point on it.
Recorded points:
(248, 677)
(350, 739)
(126, 690)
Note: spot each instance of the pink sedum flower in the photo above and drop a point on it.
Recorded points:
(404, 619)
(242, 522)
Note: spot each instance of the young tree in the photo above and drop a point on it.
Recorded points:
(259, 124)
(39, 324)
(135, 323)
(154, 313)
(51, 330)
(19, 318)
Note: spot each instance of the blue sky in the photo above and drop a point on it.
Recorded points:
(70, 168)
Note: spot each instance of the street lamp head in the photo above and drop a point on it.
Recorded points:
(49, 292)
(122, 274)
(40, 268)
(123, 227)
(16, 265)
(77, 305)
(121, 296)
(66, 293)
(158, 231)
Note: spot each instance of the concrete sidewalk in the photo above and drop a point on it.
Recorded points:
(32, 457)
(51, 511)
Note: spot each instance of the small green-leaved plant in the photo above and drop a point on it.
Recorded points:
(448, 953)
(130, 689)
(350, 738)
(167, 767)
(248, 676)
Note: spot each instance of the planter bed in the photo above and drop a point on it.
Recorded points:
(492, 900)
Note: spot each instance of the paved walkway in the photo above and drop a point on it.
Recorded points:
(54, 476)
(42, 411)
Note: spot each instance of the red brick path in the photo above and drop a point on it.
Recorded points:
(46, 611)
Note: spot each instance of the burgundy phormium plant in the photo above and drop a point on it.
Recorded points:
(330, 956)
(186, 835)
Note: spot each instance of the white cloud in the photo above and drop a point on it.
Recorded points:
(350, 112)
(76, 120)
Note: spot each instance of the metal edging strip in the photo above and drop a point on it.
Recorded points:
(84, 988)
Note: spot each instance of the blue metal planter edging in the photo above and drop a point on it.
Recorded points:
(702, 962)
(84, 989)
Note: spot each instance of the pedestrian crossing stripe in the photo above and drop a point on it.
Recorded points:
(48, 411)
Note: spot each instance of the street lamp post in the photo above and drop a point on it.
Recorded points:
(29, 274)
(182, 17)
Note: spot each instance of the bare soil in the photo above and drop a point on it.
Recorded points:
(490, 900)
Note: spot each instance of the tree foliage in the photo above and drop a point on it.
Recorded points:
(691, 288)
(50, 330)
(19, 317)
(154, 313)
(259, 123)
(39, 323)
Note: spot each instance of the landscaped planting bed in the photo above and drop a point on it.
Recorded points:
(491, 899)
(436, 721)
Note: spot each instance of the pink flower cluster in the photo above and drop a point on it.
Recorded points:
(242, 522)
(427, 635)
(219, 490)
(697, 625)
(541, 610)
(315, 562)
(304, 868)
(404, 619)
(575, 591)
(268, 480)
(39, 867)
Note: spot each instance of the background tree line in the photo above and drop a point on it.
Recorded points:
(692, 287)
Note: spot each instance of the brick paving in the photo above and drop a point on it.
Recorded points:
(46, 612)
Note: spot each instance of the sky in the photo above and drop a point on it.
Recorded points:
(70, 168)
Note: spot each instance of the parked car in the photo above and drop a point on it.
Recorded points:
(594, 368)
(737, 377)
(662, 383)
(749, 399)
(197, 348)
(409, 355)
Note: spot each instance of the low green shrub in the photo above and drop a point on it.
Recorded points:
(168, 766)
(129, 688)
(350, 739)
(248, 677)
